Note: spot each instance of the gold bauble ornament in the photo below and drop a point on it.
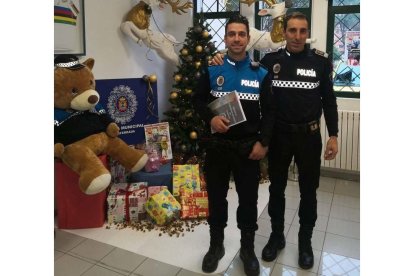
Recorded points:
(205, 34)
(199, 49)
(152, 78)
(193, 135)
(197, 64)
(173, 95)
(184, 52)
(177, 77)
(188, 91)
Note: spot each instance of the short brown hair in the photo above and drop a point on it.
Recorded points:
(294, 15)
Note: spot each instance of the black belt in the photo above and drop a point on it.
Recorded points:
(243, 145)
(310, 127)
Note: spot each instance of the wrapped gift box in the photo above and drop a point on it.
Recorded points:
(187, 177)
(163, 207)
(118, 172)
(152, 190)
(75, 209)
(126, 202)
(161, 178)
(193, 204)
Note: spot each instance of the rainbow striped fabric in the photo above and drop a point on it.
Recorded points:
(64, 15)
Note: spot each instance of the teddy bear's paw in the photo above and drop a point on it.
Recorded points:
(59, 149)
(112, 130)
(141, 163)
(99, 184)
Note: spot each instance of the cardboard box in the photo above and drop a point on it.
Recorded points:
(76, 210)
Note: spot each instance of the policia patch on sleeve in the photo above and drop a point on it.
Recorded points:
(320, 53)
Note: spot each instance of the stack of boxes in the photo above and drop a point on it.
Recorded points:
(163, 196)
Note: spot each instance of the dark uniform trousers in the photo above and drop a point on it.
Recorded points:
(306, 148)
(220, 162)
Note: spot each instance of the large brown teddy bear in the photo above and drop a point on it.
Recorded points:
(83, 130)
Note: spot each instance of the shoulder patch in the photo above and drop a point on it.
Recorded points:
(280, 49)
(320, 53)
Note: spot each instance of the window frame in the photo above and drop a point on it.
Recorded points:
(211, 15)
(332, 11)
(257, 18)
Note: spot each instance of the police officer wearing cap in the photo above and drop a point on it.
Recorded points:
(302, 88)
(236, 149)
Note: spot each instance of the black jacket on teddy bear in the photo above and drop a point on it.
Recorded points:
(74, 125)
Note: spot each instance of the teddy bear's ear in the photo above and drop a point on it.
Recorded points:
(90, 62)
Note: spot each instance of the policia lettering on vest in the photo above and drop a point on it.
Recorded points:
(237, 149)
(301, 89)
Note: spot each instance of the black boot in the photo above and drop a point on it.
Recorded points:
(247, 254)
(215, 252)
(276, 242)
(305, 247)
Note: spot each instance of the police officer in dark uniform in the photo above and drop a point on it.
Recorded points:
(236, 149)
(302, 89)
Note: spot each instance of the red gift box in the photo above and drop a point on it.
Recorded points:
(193, 204)
(74, 208)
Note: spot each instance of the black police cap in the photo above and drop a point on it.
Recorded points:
(68, 61)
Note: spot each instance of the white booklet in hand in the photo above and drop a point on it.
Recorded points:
(230, 107)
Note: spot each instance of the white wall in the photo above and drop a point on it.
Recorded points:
(117, 56)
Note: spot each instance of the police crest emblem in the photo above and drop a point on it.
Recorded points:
(122, 104)
(276, 68)
(220, 80)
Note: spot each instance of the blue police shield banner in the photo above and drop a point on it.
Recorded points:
(131, 103)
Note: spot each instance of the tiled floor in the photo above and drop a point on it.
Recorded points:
(336, 242)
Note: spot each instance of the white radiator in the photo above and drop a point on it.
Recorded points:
(348, 141)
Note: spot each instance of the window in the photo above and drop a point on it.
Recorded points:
(216, 14)
(343, 45)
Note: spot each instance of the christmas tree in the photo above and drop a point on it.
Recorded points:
(186, 127)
